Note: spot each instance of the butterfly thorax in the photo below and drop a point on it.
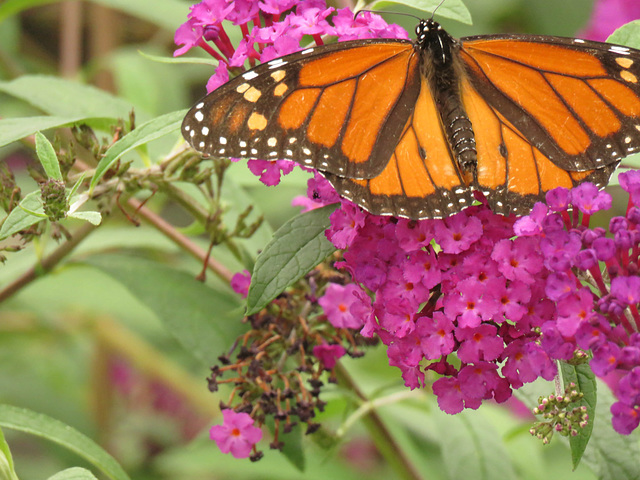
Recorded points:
(441, 67)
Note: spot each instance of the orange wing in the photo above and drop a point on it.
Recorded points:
(576, 102)
(422, 179)
(339, 108)
(512, 173)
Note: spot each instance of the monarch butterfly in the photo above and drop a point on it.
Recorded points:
(412, 129)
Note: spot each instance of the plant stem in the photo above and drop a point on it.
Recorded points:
(382, 436)
(182, 240)
(48, 263)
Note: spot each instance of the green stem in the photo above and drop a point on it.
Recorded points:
(381, 435)
(48, 263)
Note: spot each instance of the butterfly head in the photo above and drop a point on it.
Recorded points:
(432, 38)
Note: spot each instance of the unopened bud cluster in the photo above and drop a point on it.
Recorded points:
(55, 201)
(558, 418)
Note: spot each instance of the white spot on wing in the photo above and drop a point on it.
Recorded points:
(199, 116)
(619, 49)
(308, 50)
(200, 105)
(223, 141)
(277, 63)
(249, 75)
(205, 130)
(272, 142)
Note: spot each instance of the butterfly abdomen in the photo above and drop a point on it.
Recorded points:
(443, 74)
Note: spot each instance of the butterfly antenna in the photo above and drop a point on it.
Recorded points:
(436, 9)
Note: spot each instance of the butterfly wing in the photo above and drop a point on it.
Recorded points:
(421, 180)
(577, 102)
(339, 108)
(512, 172)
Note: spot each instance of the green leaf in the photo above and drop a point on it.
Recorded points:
(297, 247)
(51, 429)
(48, 158)
(612, 456)
(472, 449)
(13, 129)
(146, 132)
(74, 473)
(7, 471)
(21, 218)
(628, 35)
(204, 320)
(92, 217)
(585, 382)
(65, 98)
(292, 448)
(75, 187)
(453, 9)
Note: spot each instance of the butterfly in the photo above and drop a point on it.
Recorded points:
(413, 129)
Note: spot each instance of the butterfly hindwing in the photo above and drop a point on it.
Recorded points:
(339, 108)
(576, 101)
(421, 180)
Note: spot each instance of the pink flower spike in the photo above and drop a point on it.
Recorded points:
(237, 434)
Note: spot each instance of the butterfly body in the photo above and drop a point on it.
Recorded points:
(412, 129)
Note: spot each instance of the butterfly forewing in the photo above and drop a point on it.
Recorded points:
(339, 108)
(574, 100)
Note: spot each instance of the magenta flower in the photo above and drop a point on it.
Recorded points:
(237, 434)
(240, 283)
(269, 171)
(608, 15)
(455, 234)
(328, 354)
(336, 303)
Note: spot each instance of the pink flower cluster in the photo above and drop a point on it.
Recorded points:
(507, 296)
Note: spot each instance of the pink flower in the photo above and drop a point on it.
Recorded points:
(269, 170)
(336, 303)
(237, 434)
(240, 283)
(328, 354)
